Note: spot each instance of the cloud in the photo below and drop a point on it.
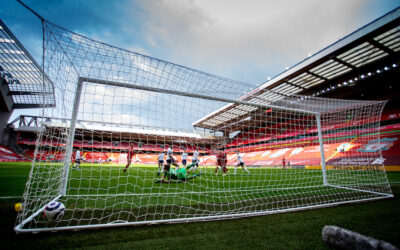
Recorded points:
(236, 38)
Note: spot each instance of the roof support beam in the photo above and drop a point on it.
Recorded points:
(30, 106)
(13, 92)
(343, 62)
(316, 75)
(380, 46)
(294, 85)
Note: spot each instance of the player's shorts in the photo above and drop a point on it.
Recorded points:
(167, 167)
(195, 161)
(170, 160)
(161, 161)
(184, 162)
(219, 162)
(241, 164)
(78, 161)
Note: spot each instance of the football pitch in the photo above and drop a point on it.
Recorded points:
(299, 230)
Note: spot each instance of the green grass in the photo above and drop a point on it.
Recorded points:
(299, 230)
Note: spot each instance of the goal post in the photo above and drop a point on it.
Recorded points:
(321, 149)
(71, 136)
(164, 143)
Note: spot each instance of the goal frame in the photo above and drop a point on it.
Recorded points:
(69, 148)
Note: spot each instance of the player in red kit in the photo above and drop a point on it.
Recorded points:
(131, 153)
(283, 163)
(221, 162)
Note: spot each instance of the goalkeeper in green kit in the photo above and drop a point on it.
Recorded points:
(178, 175)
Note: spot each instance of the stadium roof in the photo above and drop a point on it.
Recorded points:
(27, 123)
(27, 86)
(369, 50)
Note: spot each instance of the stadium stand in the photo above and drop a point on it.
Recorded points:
(7, 154)
(299, 152)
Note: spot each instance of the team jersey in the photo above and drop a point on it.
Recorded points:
(196, 155)
(184, 156)
(169, 153)
(161, 157)
(77, 155)
(240, 159)
(131, 152)
(221, 155)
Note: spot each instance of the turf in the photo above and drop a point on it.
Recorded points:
(299, 230)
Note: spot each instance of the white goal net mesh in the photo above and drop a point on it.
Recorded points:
(115, 107)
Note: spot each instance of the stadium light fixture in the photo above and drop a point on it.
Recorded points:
(394, 65)
(378, 71)
(386, 68)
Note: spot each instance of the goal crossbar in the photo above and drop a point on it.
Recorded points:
(180, 93)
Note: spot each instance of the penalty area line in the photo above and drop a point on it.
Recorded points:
(10, 197)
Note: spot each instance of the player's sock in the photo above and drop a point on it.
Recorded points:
(194, 169)
(245, 169)
(234, 172)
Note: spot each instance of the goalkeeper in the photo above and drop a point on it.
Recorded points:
(178, 175)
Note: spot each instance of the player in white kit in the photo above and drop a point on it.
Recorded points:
(184, 158)
(240, 163)
(77, 161)
(195, 162)
(160, 162)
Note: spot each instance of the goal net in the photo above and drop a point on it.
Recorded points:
(230, 149)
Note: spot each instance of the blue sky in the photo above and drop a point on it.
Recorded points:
(247, 41)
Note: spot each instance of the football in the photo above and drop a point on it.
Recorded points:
(54, 211)
(18, 207)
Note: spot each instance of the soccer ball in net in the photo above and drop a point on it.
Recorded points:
(54, 211)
